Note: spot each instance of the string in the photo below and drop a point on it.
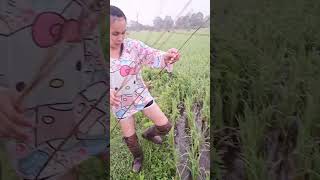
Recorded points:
(180, 48)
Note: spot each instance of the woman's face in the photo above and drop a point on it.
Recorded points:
(118, 27)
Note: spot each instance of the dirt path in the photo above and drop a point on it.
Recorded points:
(182, 143)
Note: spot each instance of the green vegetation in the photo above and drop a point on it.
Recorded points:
(187, 87)
(266, 89)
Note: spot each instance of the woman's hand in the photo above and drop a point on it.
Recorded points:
(114, 99)
(12, 122)
(171, 56)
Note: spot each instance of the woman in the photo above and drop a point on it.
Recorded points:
(128, 92)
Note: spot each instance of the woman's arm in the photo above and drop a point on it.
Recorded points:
(155, 58)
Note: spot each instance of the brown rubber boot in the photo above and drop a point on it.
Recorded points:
(135, 149)
(154, 133)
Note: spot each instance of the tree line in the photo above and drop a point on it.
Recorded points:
(189, 21)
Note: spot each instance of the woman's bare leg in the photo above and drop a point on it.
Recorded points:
(162, 125)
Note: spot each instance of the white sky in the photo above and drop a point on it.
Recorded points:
(149, 9)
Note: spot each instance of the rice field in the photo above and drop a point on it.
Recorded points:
(266, 90)
(184, 97)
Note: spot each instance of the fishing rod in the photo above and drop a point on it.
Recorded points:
(159, 74)
(127, 78)
(180, 48)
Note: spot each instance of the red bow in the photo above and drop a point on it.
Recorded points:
(50, 27)
(127, 70)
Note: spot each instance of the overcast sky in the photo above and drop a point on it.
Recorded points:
(147, 10)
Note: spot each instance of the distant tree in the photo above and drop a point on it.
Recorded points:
(135, 26)
(183, 22)
(188, 22)
(168, 22)
(179, 23)
(148, 28)
(158, 23)
(196, 20)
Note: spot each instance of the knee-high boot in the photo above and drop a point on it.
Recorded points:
(136, 150)
(154, 133)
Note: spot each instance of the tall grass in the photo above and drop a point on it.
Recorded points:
(266, 80)
(188, 85)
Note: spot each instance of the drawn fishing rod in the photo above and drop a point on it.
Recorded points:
(159, 74)
(166, 40)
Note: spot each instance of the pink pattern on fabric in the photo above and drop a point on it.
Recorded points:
(50, 27)
(127, 70)
(135, 94)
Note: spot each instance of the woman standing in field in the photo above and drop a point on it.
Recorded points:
(128, 92)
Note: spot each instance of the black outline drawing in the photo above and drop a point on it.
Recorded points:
(50, 145)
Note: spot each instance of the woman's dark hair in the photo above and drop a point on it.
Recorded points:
(115, 11)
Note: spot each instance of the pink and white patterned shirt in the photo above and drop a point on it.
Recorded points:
(125, 74)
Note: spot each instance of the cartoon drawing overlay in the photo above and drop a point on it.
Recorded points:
(70, 117)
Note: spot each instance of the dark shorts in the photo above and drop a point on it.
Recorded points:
(149, 104)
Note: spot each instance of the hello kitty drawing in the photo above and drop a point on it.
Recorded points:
(69, 105)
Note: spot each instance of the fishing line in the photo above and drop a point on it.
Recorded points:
(159, 74)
